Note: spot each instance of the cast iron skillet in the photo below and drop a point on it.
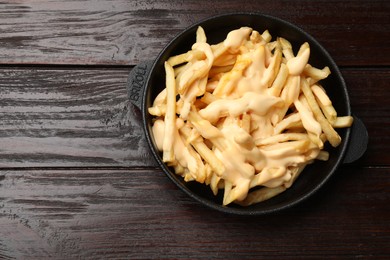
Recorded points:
(148, 78)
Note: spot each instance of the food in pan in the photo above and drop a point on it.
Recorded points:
(245, 115)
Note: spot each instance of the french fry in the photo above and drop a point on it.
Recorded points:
(314, 75)
(279, 81)
(199, 69)
(159, 104)
(200, 35)
(266, 36)
(170, 115)
(291, 147)
(227, 197)
(197, 88)
(255, 37)
(323, 156)
(246, 122)
(325, 103)
(332, 136)
(294, 172)
(266, 175)
(218, 50)
(179, 170)
(219, 69)
(215, 182)
(179, 70)
(289, 121)
(225, 60)
(343, 121)
(186, 57)
(207, 130)
(237, 192)
(260, 195)
(208, 98)
(158, 110)
(289, 93)
(273, 69)
(281, 138)
(297, 64)
(286, 48)
(312, 126)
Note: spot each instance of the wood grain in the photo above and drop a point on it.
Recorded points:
(140, 214)
(370, 102)
(70, 117)
(124, 32)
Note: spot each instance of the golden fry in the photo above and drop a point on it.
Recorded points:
(186, 57)
(261, 195)
(332, 136)
(279, 81)
(313, 74)
(343, 121)
(325, 103)
(200, 35)
(170, 115)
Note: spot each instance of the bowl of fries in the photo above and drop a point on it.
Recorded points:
(246, 113)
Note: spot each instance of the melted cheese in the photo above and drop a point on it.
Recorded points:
(235, 38)
(244, 90)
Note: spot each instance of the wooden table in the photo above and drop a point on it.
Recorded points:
(77, 179)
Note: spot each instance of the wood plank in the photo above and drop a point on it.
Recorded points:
(370, 101)
(124, 32)
(139, 214)
(66, 117)
(69, 118)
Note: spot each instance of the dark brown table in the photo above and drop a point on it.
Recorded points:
(78, 181)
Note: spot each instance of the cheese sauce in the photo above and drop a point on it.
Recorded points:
(247, 165)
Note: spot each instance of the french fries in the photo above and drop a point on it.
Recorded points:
(245, 115)
(170, 115)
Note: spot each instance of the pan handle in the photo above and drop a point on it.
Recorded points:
(358, 141)
(136, 82)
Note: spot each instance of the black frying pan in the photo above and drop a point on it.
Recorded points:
(148, 78)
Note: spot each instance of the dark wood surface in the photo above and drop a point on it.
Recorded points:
(77, 179)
